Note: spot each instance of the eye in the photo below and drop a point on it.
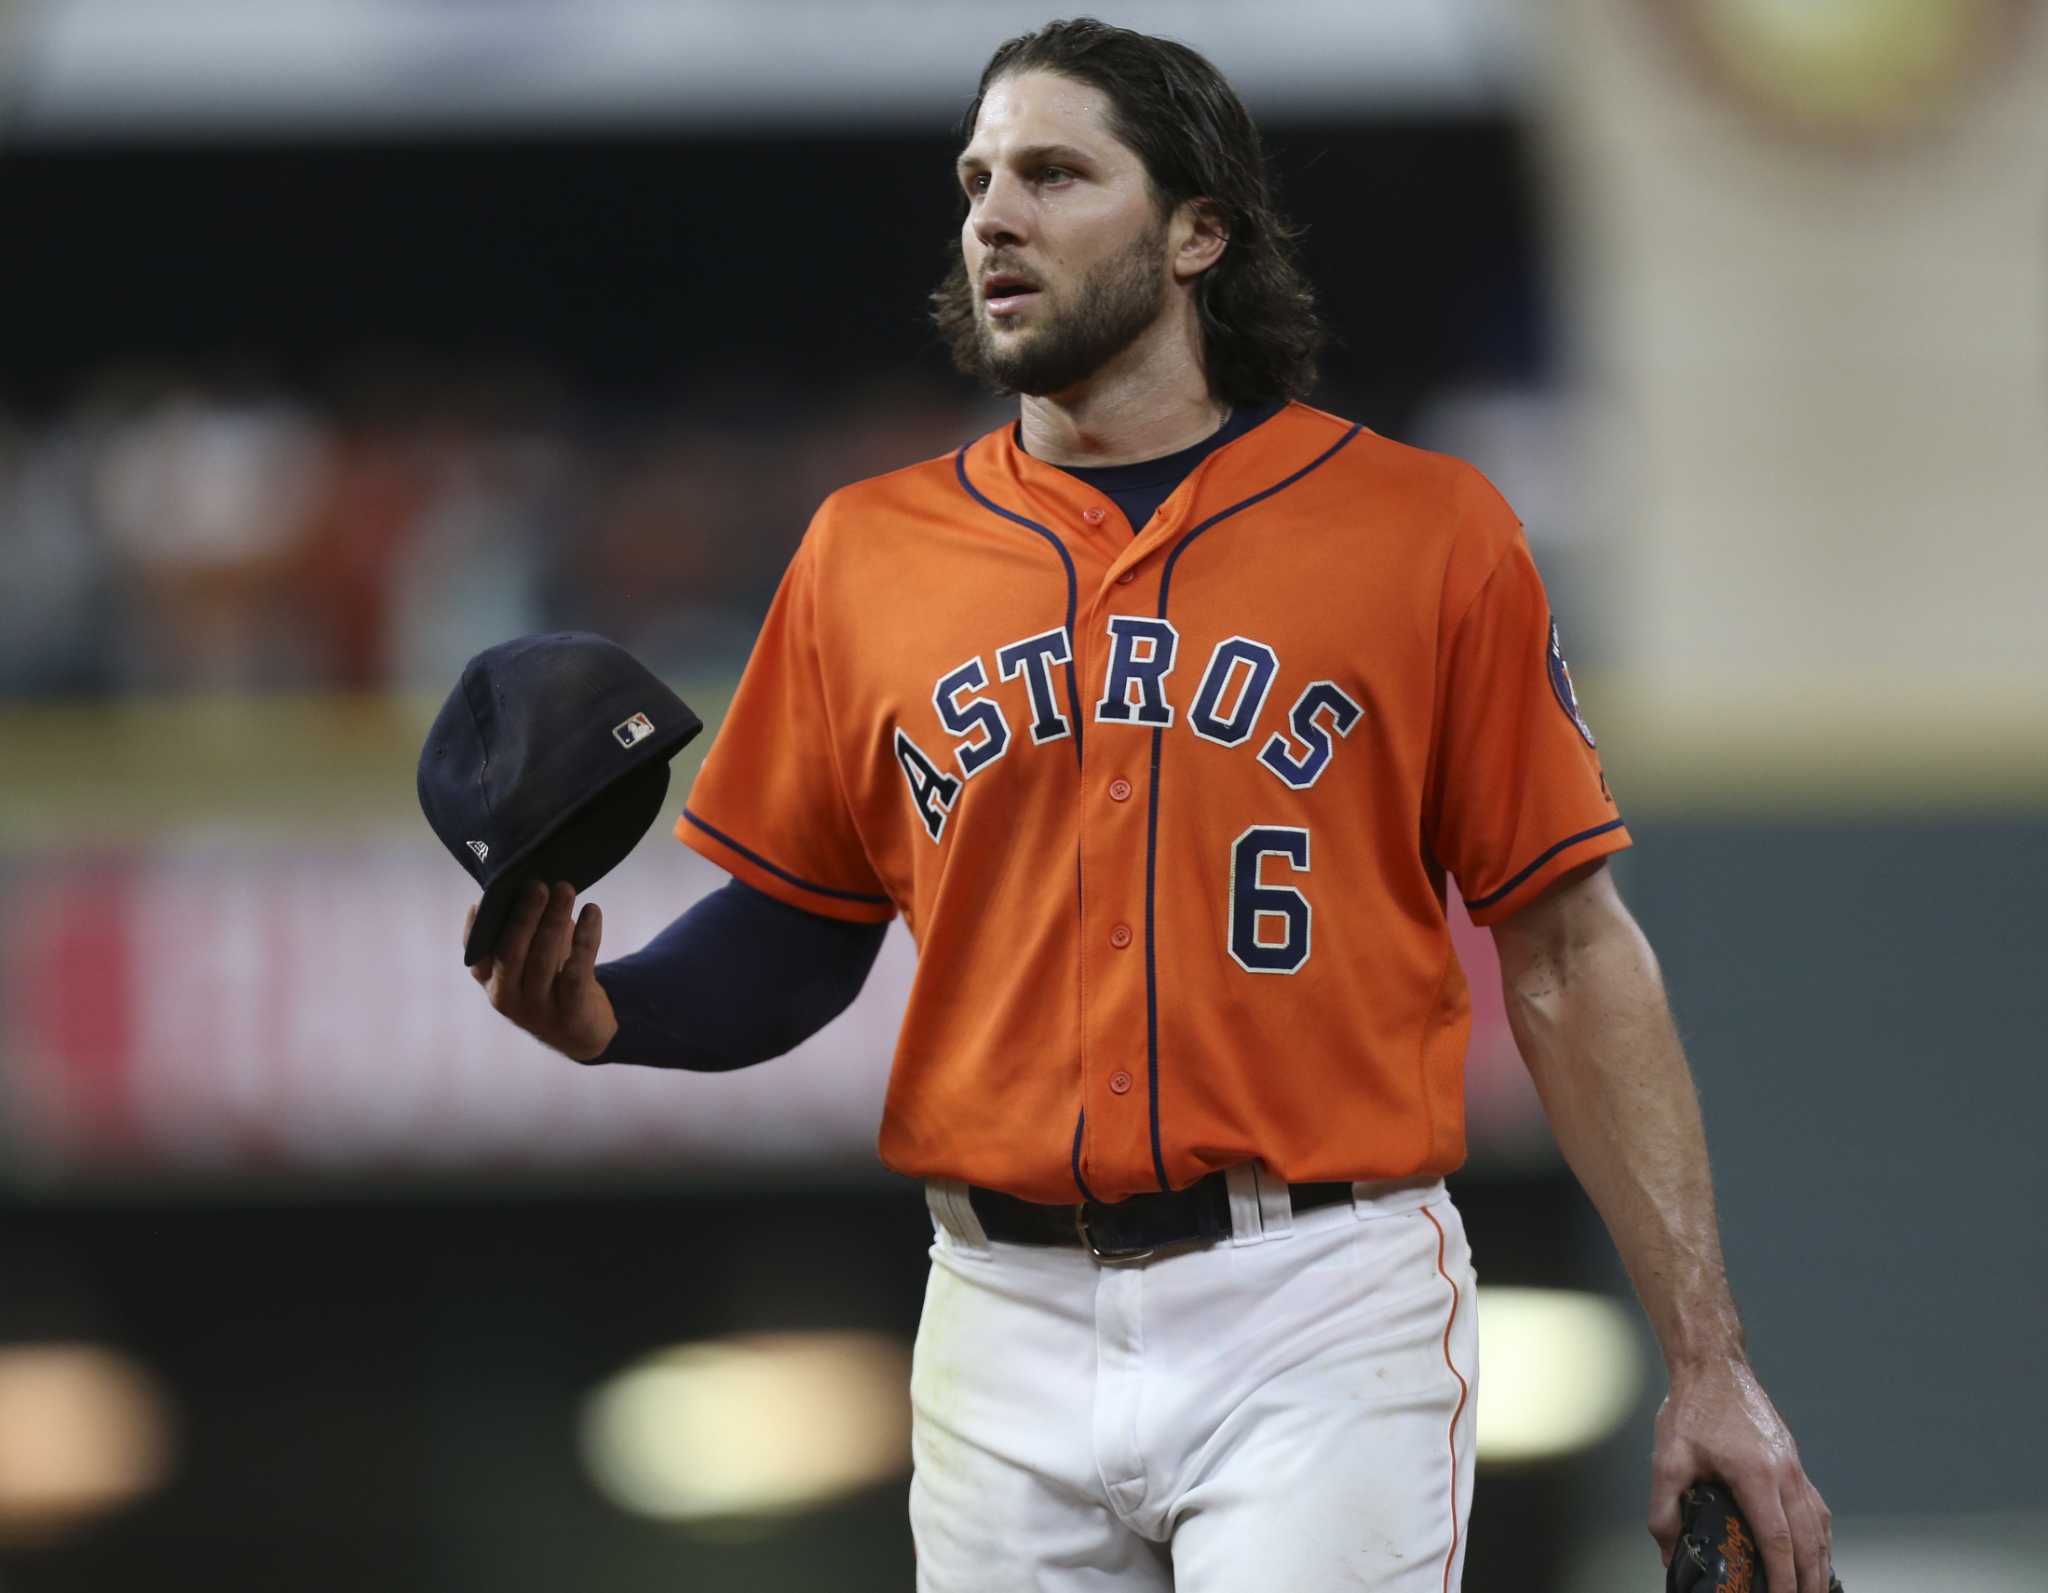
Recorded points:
(1054, 174)
(976, 183)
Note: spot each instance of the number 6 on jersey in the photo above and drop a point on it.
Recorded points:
(1254, 905)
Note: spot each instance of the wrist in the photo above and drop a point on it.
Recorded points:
(1701, 1355)
(1702, 1340)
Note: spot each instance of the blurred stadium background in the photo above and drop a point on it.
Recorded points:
(349, 336)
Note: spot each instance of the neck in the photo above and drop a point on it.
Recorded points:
(1150, 401)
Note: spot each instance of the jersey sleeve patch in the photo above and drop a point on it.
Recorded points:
(1561, 686)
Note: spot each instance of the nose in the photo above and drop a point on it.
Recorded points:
(1000, 217)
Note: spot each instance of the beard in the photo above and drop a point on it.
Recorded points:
(1113, 305)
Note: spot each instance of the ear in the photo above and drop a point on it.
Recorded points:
(1199, 236)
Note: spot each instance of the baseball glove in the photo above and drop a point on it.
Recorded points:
(1717, 1552)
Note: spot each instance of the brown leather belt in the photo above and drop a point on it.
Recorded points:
(1131, 1229)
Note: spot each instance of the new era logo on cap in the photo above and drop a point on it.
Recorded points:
(633, 731)
(482, 850)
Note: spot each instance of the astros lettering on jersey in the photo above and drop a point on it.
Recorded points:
(1169, 816)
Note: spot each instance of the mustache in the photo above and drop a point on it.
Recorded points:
(992, 269)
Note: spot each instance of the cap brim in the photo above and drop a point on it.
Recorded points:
(582, 849)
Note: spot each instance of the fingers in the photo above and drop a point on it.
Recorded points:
(1792, 1526)
(1826, 1518)
(1671, 1473)
(582, 963)
(480, 971)
(1813, 1531)
(516, 939)
(1664, 1522)
(549, 948)
(543, 976)
(1767, 1519)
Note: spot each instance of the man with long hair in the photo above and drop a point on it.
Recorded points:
(1166, 717)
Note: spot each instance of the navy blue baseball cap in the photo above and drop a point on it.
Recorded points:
(548, 761)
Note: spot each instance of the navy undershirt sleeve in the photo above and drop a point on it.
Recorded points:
(739, 978)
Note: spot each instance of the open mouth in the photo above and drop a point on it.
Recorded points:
(1005, 293)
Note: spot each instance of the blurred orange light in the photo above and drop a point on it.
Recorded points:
(750, 1428)
(83, 1429)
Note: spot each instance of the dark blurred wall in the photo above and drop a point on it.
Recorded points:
(442, 393)
(655, 267)
(1867, 1014)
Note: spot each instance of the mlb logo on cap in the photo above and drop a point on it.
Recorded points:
(633, 731)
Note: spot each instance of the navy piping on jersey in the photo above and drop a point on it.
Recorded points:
(1568, 842)
(1066, 558)
(1080, 1121)
(1152, 812)
(1139, 489)
(783, 873)
(1073, 689)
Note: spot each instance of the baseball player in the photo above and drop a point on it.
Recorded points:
(1166, 717)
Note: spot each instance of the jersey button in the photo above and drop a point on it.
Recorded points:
(1120, 1083)
(1119, 789)
(1120, 936)
(1126, 578)
(1094, 516)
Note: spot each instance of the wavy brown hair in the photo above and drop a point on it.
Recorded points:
(1260, 331)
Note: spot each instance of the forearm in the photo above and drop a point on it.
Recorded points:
(739, 978)
(1587, 1006)
(1588, 1009)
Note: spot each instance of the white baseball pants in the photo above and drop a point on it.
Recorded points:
(1292, 1409)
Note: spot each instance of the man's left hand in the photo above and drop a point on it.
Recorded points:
(1717, 1422)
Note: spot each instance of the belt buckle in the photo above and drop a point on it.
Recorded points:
(1141, 1253)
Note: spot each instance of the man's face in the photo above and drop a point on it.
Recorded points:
(1064, 247)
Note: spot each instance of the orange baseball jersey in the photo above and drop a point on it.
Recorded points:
(1169, 816)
